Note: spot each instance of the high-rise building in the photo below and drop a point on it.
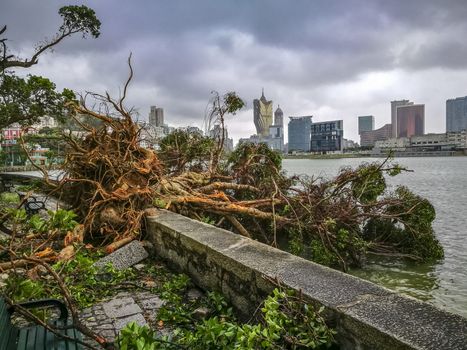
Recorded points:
(262, 115)
(327, 136)
(216, 134)
(456, 114)
(410, 120)
(275, 140)
(394, 105)
(156, 116)
(278, 116)
(368, 138)
(366, 123)
(299, 133)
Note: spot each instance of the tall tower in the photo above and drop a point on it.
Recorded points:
(278, 116)
(262, 115)
(156, 116)
(300, 133)
(394, 105)
(456, 114)
(410, 120)
(366, 123)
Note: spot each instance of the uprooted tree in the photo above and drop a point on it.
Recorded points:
(336, 222)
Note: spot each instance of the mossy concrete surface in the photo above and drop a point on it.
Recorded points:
(365, 315)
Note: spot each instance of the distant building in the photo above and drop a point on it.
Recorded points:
(394, 106)
(410, 120)
(262, 115)
(349, 144)
(193, 130)
(276, 138)
(12, 132)
(366, 123)
(156, 116)
(368, 138)
(299, 133)
(433, 141)
(327, 136)
(426, 143)
(459, 139)
(456, 114)
(279, 116)
(38, 156)
(45, 122)
(393, 143)
(256, 139)
(216, 134)
(150, 135)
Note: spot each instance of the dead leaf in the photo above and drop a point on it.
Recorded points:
(46, 253)
(66, 253)
(75, 236)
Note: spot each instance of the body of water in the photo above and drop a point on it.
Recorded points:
(442, 180)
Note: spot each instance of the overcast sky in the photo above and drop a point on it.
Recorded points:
(329, 59)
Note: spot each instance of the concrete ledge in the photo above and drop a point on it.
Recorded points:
(366, 316)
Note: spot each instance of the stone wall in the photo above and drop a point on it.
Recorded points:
(366, 316)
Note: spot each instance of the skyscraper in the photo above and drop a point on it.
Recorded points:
(156, 116)
(299, 133)
(394, 105)
(327, 136)
(278, 116)
(366, 123)
(456, 114)
(410, 120)
(368, 138)
(262, 115)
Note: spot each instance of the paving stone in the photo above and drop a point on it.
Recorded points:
(105, 326)
(86, 311)
(150, 304)
(123, 258)
(101, 317)
(108, 334)
(119, 323)
(143, 295)
(121, 307)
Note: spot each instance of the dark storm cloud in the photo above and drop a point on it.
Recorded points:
(184, 49)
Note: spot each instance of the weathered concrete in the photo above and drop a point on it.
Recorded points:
(107, 318)
(121, 307)
(125, 257)
(366, 316)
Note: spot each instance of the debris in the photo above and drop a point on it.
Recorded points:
(66, 253)
(124, 257)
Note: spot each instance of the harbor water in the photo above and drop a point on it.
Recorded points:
(442, 180)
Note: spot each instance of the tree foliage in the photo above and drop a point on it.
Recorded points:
(24, 100)
(185, 151)
(220, 106)
(76, 19)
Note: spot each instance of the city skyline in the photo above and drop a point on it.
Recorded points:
(329, 59)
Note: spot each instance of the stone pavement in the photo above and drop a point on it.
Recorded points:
(109, 317)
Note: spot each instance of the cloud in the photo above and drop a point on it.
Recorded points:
(333, 59)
